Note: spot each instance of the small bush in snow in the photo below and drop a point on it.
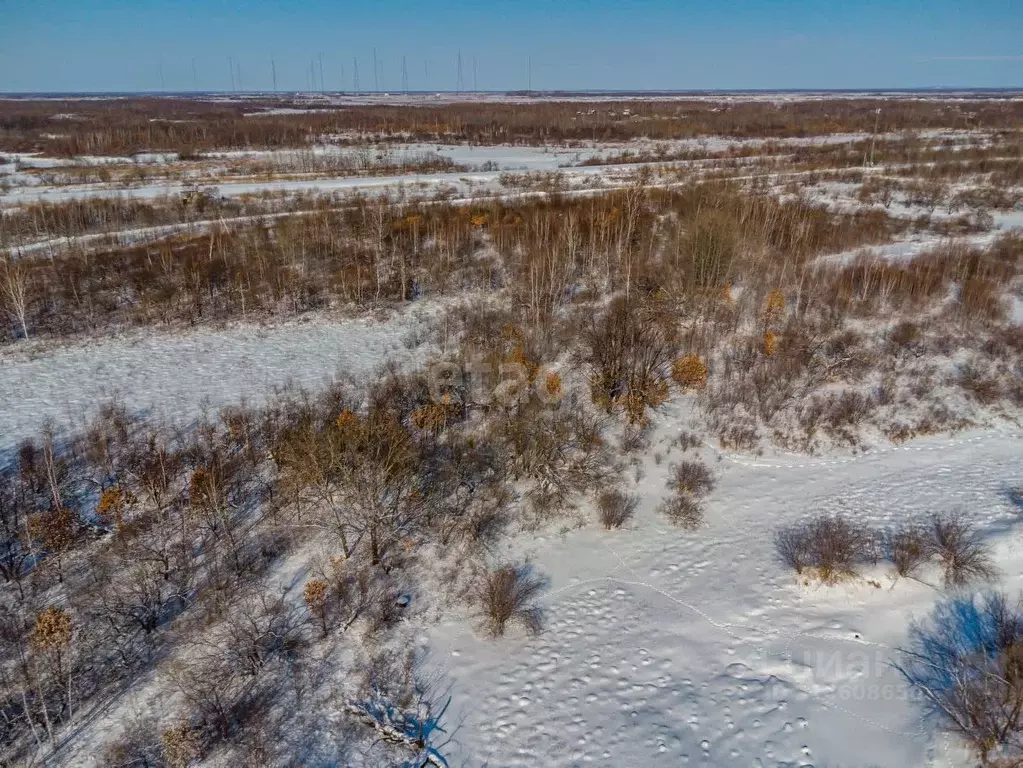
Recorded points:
(508, 594)
(687, 440)
(908, 549)
(683, 510)
(793, 546)
(830, 544)
(614, 508)
(693, 477)
(964, 557)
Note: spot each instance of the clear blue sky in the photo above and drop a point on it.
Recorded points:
(122, 45)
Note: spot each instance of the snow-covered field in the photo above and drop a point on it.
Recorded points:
(172, 375)
(665, 648)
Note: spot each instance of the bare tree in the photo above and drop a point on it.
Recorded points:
(14, 289)
(966, 662)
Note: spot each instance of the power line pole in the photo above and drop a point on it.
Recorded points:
(322, 89)
(273, 71)
(355, 74)
(459, 85)
(877, 118)
(404, 76)
(230, 65)
(376, 72)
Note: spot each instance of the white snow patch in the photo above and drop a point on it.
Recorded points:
(170, 375)
(668, 648)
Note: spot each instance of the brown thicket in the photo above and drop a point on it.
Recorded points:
(188, 126)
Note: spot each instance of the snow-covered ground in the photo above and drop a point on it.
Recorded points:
(668, 648)
(173, 374)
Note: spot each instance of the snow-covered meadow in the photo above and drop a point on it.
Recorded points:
(172, 376)
(664, 649)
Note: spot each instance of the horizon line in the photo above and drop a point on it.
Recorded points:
(523, 91)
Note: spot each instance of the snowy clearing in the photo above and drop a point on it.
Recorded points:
(666, 648)
(171, 375)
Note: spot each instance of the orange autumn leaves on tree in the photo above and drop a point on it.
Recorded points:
(774, 306)
(552, 384)
(53, 629)
(112, 506)
(774, 309)
(180, 746)
(347, 420)
(689, 372)
(315, 596)
(54, 529)
(434, 417)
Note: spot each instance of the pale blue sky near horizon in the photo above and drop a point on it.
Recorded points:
(150, 45)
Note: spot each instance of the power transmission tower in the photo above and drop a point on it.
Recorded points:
(459, 85)
(355, 74)
(321, 74)
(376, 72)
(404, 76)
(873, 139)
(230, 65)
(474, 88)
(273, 71)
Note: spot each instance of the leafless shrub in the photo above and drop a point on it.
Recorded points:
(635, 438)
(138, 745)
(909, 547)
(906, 337)
(509, 594)
(692, 477)
(614, 508)
(847, 409)
(985, 389)
(739, 437)
(687, 440)
(793, 546)
(683, 510)
(560, 450)
(964, 556)
(830, 544)
(966, 663)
